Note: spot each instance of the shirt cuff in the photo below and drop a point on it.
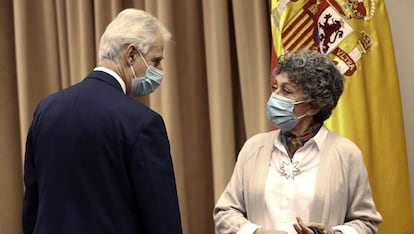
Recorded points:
(345, 229)
(248, 228)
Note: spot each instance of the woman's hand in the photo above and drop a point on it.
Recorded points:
(302, 228)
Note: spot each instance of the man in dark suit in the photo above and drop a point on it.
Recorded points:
(97, 160)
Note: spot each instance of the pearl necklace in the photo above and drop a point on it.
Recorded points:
(371, 12)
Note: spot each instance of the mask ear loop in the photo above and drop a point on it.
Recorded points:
(151, 68)
(133, 72)
(132, 67)
(142, 57)
(300, 117)
(299, 102)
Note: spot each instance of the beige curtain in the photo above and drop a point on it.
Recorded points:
(212, 99)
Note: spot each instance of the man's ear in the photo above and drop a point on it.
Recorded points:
(131, 53)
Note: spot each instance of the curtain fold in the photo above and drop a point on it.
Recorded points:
(11, 188)
(182, 101)
(220, 99)
(253, 55)
(212, 99)
(36, 56)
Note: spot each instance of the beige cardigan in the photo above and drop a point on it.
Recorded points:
(342, 194)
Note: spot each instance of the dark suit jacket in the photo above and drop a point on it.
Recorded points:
(98, 161)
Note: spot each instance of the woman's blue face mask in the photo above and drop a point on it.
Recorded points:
(280, 112)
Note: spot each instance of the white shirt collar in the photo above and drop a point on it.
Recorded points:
(318, 139)
(113, 74)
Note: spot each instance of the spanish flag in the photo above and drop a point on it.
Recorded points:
(356, 35)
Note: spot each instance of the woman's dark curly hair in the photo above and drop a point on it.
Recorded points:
(321, 81)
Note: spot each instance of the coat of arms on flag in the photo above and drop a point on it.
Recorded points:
(323, 25)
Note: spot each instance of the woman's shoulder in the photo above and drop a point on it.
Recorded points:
(263, 138)
(347, 150)
(257, 143)
(340, 142)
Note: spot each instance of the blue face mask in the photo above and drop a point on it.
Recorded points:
(147, 84)
(280, 112)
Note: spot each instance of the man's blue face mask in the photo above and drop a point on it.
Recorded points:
(142, 86)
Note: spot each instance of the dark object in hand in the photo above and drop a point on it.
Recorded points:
(316, 230)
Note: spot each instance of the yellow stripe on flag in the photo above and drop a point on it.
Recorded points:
(356, 35)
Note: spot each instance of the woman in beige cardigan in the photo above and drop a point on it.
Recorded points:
(301, 178)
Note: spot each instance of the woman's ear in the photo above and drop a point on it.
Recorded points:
(314, 109)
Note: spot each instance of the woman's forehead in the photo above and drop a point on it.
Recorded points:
(282, 77)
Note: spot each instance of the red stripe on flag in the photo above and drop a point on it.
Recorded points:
(300, 42)
(288, 35)
(310, 44)
(273, 63)
(293, 24)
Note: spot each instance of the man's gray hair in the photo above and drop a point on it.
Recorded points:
(131, 26)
